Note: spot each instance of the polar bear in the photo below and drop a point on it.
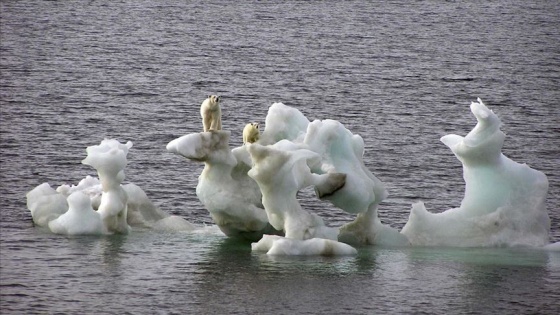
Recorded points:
(211, 113)
(251, 133)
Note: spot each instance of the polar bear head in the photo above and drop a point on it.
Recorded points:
(213, 100)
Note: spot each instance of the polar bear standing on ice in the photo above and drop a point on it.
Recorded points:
(211, 113)
(251, 133)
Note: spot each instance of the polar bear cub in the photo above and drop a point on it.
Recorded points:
(251, 133)
(211, 113)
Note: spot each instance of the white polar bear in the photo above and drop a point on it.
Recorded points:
(251, 133)
(211, 113)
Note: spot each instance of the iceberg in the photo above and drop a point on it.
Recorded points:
(98, 206)
(341, 151)
(80, 219)
(253, 188)
(280, 175)
(504, 202)
(109, 159)
(251, 191)
(45, 204)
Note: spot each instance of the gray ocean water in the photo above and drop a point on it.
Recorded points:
(399, 73)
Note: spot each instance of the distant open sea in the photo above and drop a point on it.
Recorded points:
(399, 73)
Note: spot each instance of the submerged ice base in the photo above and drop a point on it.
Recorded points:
(232, 198)
(283, 246)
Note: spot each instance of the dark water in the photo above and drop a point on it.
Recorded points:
(401, 74)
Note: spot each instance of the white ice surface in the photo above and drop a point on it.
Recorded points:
(80, 219)
(277, 245)
(504, 202)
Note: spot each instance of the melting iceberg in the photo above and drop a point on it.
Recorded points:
(253, 188)
(80, 219)
(504, 202)
(251, 191)
(232, 198)
(99, 205)
(277, 245)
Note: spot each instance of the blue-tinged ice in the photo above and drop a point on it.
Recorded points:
(504, 202)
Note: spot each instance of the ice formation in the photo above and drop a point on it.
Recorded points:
(232, 198)
(342, 151)
(78, 209)
(504, 202)
(109, 159)
(283, 246)
(280, 175)
(251, 191)
(80, 219)
(291, 154)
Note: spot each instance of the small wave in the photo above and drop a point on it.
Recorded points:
(459, 79)
(138, 94)
(13, 285)
(204, 83)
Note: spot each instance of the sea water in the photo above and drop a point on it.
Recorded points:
(400, 74)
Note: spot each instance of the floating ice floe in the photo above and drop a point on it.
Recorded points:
(251, 191)
(283, 246)
(80, 219)
(504, 202)
(259, 182)
(100, 205)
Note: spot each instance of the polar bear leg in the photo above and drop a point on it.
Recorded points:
(219, 123)
(215, 121)
(206, 122)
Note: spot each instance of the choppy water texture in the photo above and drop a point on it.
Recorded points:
(401, 74)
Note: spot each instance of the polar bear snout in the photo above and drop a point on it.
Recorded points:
(214, 98)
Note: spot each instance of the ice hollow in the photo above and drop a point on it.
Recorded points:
(504, 202)
(251, 191)
(280, 175)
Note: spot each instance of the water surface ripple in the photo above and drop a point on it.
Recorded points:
(399, 73)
